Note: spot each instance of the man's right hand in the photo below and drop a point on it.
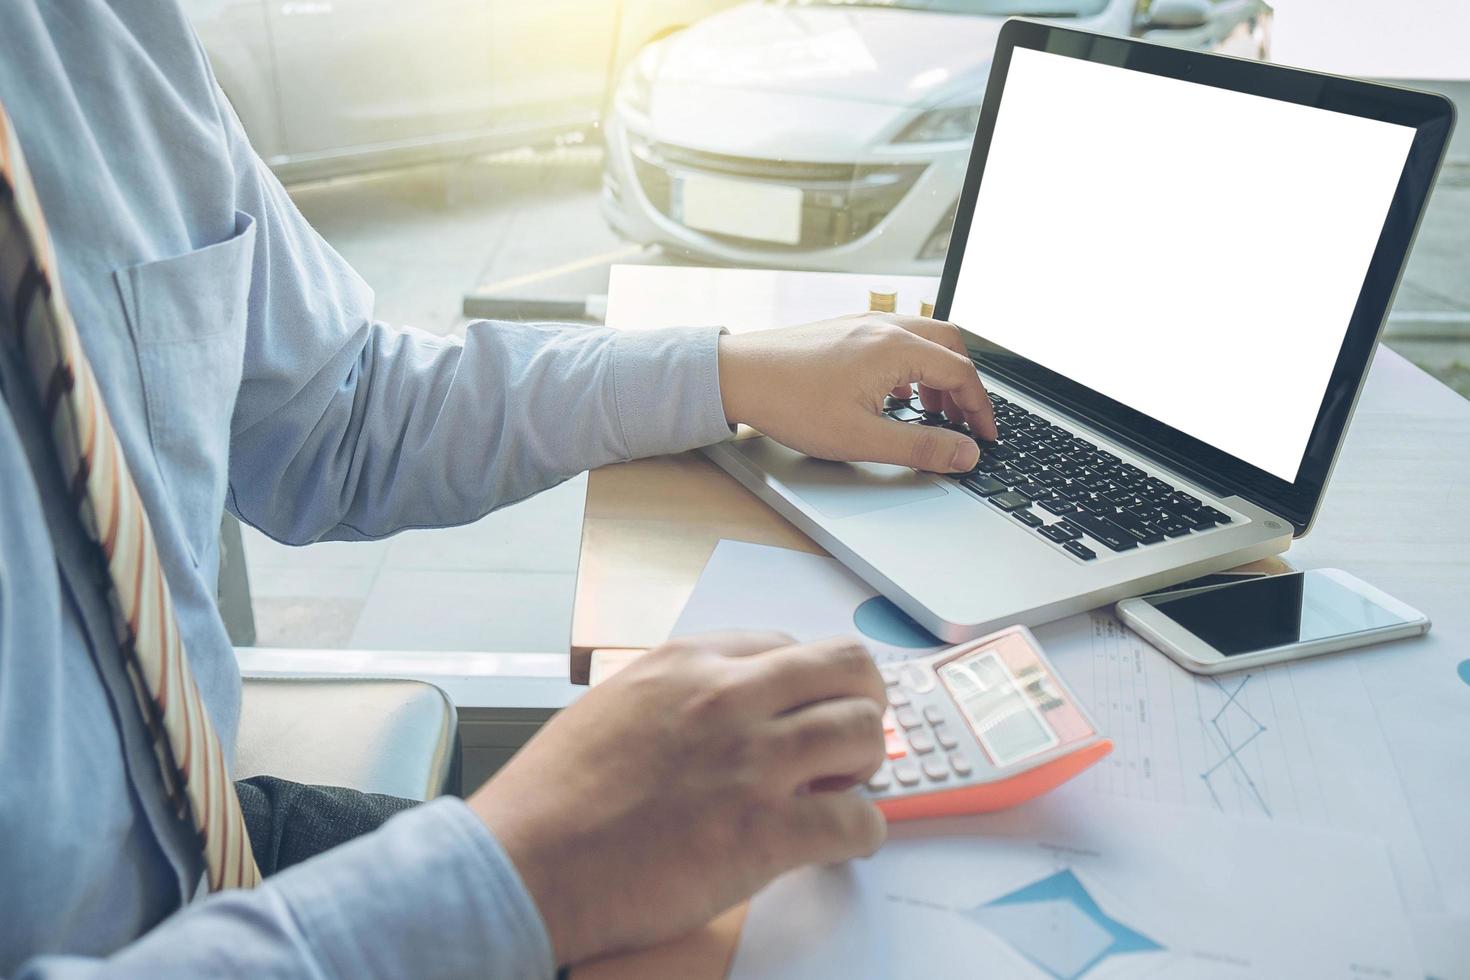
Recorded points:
(686, 782)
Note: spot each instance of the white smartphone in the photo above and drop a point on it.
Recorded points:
(1267, 620)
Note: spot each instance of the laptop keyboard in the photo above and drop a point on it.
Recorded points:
(1071, 492)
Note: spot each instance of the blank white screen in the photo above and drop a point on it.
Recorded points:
(1191, 252)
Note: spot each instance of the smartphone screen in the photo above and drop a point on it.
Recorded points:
(1276, 611)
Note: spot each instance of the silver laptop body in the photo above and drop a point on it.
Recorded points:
(963, 554)
(961, 567)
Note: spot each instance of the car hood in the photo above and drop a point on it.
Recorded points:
(765, 124)
(880, 55)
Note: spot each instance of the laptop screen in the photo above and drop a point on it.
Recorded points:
(1192, 252)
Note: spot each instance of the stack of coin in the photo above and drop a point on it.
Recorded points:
(882, 301)
(926, 307)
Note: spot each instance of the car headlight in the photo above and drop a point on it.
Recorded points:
(635, 91)
(941, 125)
(936, 246)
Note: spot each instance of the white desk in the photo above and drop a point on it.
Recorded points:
(1397, 515)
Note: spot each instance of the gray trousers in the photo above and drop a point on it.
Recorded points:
(290, 822)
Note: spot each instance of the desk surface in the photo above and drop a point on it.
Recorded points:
(1396, 515)
(650, 525)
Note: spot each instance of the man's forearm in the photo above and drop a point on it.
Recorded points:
(431, 894)
(418, 431)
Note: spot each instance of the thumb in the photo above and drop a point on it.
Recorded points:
(924, 447)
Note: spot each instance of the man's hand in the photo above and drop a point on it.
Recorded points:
(819, 389)
(686, 782)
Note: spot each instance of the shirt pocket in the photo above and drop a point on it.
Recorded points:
(188, 317)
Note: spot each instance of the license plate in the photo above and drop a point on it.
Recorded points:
(763, 212)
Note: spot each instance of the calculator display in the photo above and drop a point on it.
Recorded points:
(1003, 716)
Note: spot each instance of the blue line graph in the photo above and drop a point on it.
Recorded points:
(1231, 743)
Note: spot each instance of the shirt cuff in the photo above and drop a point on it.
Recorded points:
(667, 385)
(430, 894)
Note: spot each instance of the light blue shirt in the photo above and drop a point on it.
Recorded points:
(238, 355)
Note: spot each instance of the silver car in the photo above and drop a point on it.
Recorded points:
(330, 86)
(829, 134)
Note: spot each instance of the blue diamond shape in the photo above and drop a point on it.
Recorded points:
(1057, 925)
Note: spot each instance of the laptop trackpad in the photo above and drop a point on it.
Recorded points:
(840, 489)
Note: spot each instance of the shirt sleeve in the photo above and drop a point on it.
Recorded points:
(347, 428)
(430, 894)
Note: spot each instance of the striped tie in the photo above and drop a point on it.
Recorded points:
(112, 513)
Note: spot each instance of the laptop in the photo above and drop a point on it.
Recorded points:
(1171, 270)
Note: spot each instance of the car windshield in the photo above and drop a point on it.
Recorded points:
(982, 8)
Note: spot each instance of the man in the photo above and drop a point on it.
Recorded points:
(241, 367)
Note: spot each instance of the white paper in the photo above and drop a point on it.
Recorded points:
(1292, 744)
(1072, 886)
(751, 586)
(1420, 688)
(1297, 742)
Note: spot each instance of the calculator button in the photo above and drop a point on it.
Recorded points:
(959, 764)
(945, 736)
(917, 680)
(894, 745)
(890, 724)
(934, 768)
(890, 676)
(898, 697)
(921, 742)
(906, 772)
(932, 714)
(880, 780)
(907, 717)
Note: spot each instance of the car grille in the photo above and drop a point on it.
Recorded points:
(841, 202)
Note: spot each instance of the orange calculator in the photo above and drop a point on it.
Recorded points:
(982, 726)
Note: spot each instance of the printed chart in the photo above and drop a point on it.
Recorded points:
(1238, 744)
(1058, 926)
(1298, 742)
(1077, 887)
(748, 586)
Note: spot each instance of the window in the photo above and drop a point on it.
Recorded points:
(480, 159)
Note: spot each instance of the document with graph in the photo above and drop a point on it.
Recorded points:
(1077, 886)
(1296, 742)
(1292, 745)
(809, 597)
